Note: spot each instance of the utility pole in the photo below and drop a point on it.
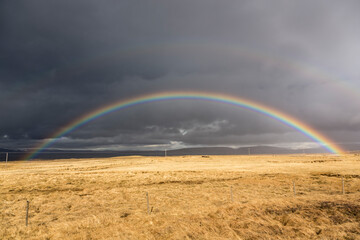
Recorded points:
(165, 152)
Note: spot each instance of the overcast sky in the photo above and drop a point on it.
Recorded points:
(62, 59)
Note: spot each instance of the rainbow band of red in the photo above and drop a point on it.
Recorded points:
(204, 96)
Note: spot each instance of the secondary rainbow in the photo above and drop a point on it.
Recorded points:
(203, 96)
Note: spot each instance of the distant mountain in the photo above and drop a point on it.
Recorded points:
(202, 151)
(253, 150)
(13, 154)
(351, 147)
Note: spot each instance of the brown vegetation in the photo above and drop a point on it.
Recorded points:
(189, 198)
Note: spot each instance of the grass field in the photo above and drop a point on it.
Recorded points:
(189, 196)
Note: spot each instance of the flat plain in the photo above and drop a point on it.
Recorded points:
(190, 197)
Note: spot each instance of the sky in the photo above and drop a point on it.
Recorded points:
(62, 59)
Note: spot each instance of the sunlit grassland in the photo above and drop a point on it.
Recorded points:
(189, 198)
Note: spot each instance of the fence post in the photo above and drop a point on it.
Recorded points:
(231, 194)
(27, 212)
(147, 201)
(7, 157)
(294, 188)
(343, 187)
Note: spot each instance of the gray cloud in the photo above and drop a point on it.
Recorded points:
(62, 59)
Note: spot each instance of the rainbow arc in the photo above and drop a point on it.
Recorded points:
(286, 119)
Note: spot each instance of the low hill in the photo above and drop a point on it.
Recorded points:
(254, 150)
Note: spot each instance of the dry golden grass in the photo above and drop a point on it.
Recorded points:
(189, 197)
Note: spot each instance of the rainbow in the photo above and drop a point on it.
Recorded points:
(204, 96)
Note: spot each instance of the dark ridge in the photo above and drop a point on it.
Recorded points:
(254, 150)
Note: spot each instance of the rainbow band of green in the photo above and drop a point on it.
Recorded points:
(205, 96)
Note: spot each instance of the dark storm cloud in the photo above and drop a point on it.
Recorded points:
(62, 59)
